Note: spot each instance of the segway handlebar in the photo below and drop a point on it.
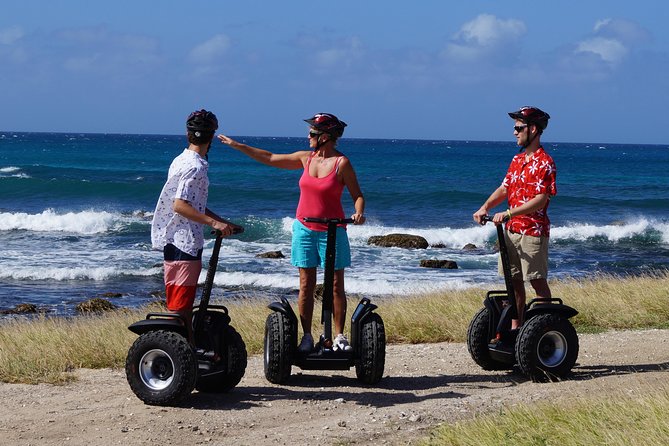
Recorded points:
(488, 218)
(235, 230)
(328, 220)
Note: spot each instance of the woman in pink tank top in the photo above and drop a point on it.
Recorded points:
(326, 172)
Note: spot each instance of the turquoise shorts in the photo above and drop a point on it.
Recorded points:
(308, 247)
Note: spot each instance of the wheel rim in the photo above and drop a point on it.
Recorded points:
(156, 369)
(552, 349)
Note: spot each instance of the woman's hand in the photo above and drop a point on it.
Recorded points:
(358, 219)
(227, 141)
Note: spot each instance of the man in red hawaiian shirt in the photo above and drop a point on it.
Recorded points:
(527, 187)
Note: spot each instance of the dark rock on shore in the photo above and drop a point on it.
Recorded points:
(112, 295)
(271, 255)
(399, 241)
(469, 247)
(433, 263)
(21, 309)
(95, 305)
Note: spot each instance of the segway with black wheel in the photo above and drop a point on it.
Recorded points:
(368, 337)
(545, 348)
(162, 367)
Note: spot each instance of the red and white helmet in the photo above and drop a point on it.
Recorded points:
(532, 115)
(328, 123)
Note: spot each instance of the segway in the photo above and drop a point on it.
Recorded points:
(545, 347)
(162, 367)
(368, 337)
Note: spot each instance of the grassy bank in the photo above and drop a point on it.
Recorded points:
(48, 349)
(618, 419)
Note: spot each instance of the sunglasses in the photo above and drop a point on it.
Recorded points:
(313, 134)
(519, 128)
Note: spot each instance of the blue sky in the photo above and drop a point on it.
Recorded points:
(427, 69)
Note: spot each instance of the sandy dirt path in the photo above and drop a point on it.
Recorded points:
(424, 385)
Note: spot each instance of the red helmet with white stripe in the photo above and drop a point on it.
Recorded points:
(328, 123)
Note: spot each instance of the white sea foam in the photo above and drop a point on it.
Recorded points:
(614, 233)
(12, 172)
(366, 284)
(71, 273)
(454, 238)
(83, 222)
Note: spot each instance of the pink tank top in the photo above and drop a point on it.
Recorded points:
(320, 197)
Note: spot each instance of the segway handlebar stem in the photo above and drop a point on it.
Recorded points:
(504, 254)
(328, 275)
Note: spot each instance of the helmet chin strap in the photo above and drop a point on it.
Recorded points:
(529, 140)
(319, 143)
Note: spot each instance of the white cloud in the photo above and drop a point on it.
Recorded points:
(612, 40)
(10, 35)
(609, 50)
(626, 31)
(488, 30)
(483, 36)
(207, 52)
(343, 54)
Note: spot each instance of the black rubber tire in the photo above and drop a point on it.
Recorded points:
(547, 347)
(235, 365)
(478, 337)
(372, 355)
(161, 368)
(279, 346)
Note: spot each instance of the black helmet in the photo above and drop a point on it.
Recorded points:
(202, 121)
(328, 123)
(532, 115)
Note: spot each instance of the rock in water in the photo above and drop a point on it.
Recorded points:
(399, 241)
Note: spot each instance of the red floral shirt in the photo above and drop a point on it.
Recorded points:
(524, 181)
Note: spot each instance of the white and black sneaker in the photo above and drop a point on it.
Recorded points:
(341, 343)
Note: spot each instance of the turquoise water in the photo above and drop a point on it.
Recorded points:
(75, 213)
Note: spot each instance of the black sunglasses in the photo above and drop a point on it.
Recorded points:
(313, 134)
(519, 128)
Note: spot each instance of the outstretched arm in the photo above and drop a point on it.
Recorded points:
(293, 160)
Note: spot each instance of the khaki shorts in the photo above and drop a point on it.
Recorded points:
(528, 256)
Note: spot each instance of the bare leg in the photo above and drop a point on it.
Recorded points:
(339, 303)
(519, 289)
(541, 287)
(305, 299)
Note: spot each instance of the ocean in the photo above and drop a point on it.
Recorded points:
(75, 215)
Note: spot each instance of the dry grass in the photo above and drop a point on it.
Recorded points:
(612, 420)
(46, 349)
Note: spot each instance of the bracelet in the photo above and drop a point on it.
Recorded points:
(508, 213)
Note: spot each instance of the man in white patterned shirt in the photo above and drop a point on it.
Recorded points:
(181, 213)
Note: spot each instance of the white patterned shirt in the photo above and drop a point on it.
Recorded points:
(186, 180)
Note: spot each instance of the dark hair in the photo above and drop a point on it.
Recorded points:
(201, 126)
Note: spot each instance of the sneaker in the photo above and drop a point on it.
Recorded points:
(307, 344)
(341, 343)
